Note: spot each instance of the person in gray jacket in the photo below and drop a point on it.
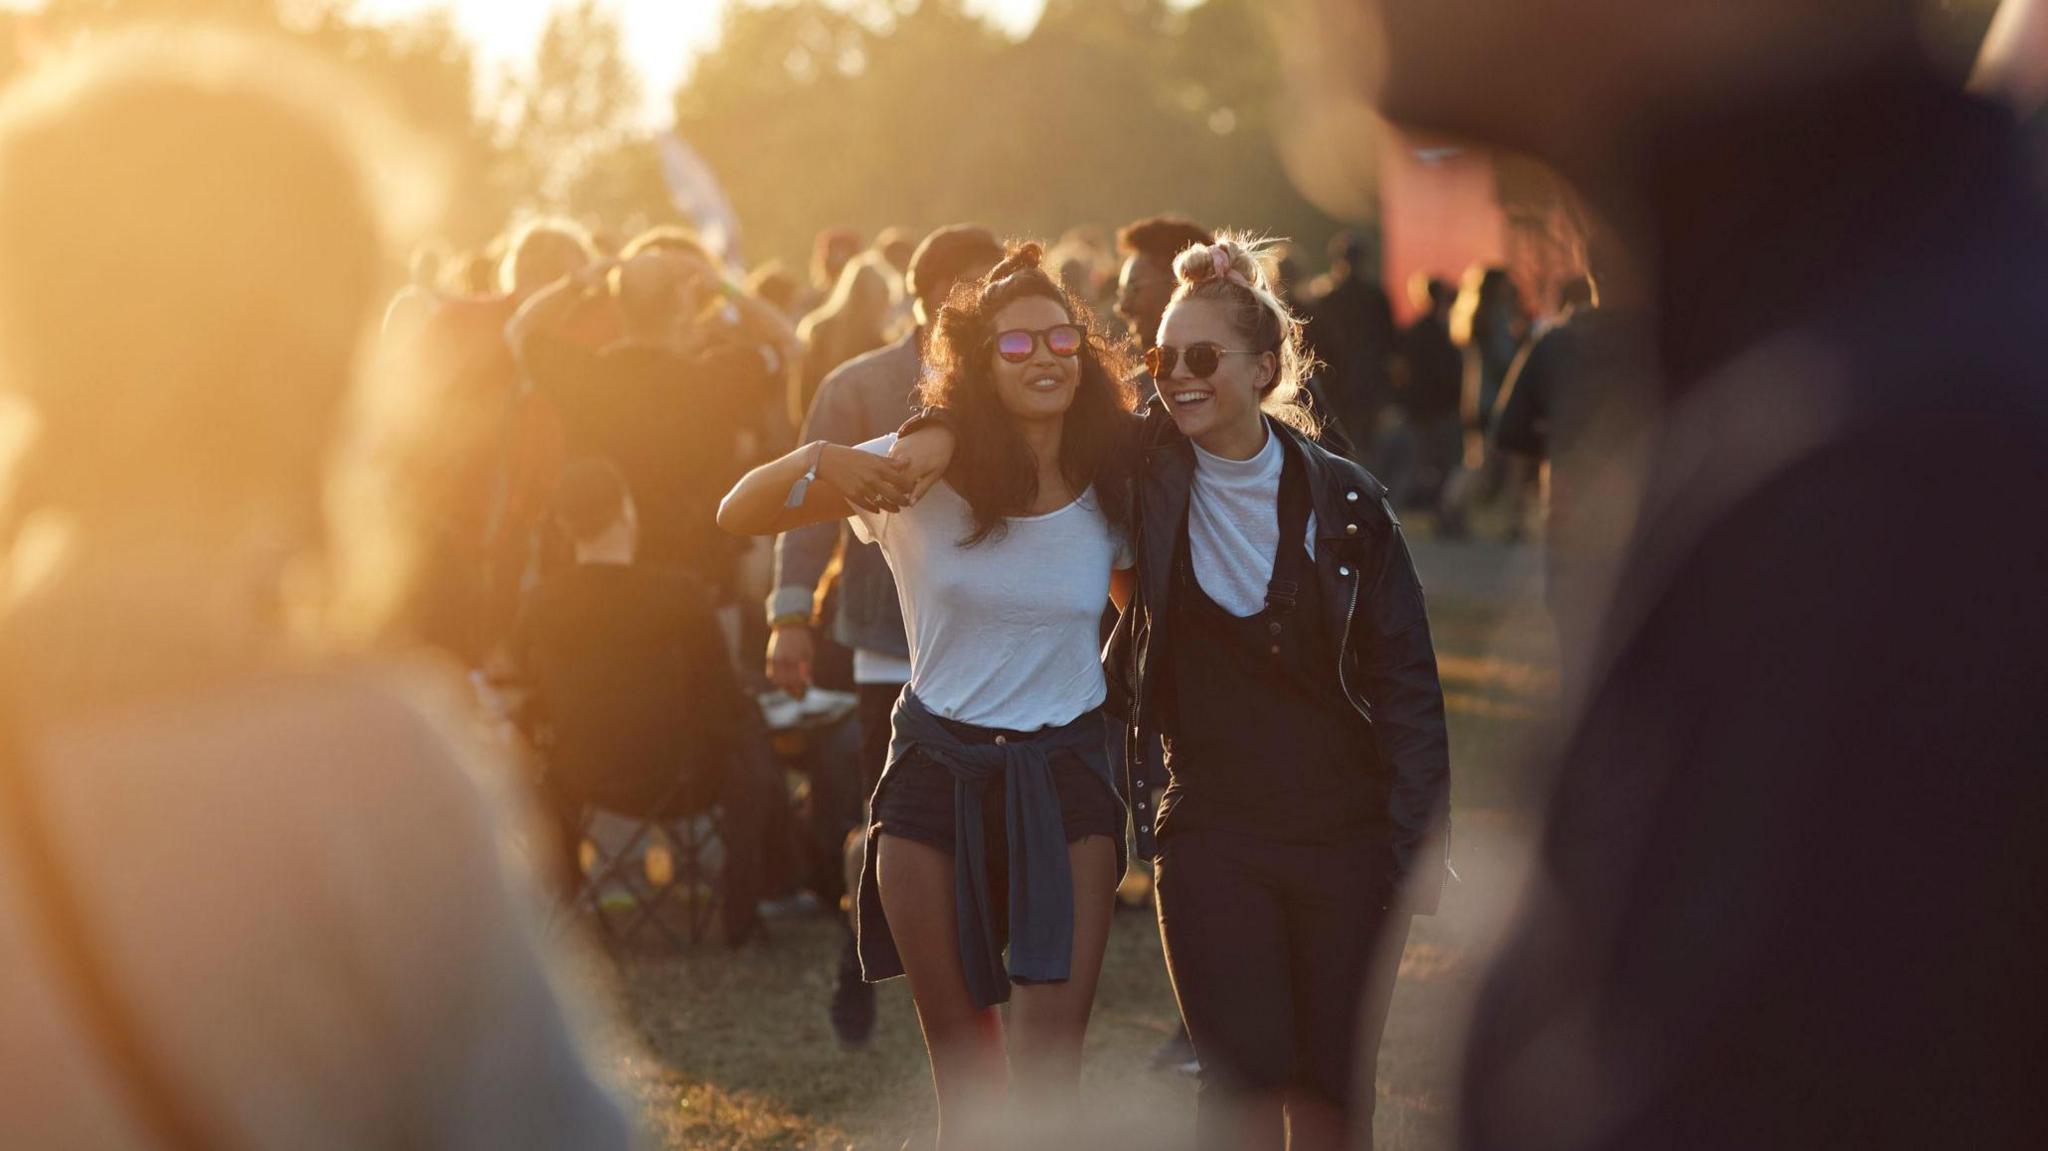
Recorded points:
(866, 397)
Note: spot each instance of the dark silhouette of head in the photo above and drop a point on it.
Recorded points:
(897, 245)
(949, 256)
(668, 238)
(773, 284)
(829, 254)
(542, 252)
(1353, 255)
(1145, 283)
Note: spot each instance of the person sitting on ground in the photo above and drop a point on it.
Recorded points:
(254, 891)
(630, 677)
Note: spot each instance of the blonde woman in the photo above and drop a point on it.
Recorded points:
(854, 322)
(1277, 641)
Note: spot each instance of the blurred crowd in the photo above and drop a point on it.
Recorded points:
(1801, 766)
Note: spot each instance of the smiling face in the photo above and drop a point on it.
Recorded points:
(1042, 387)
(1224, 407)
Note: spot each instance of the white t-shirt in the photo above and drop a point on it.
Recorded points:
(873, 668)
(1006, 633)
(1234, 526)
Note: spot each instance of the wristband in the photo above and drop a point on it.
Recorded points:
(802, 487)
(782, 621)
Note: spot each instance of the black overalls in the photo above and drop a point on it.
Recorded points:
(1274, 866)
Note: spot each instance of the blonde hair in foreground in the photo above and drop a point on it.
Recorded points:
(1239, 271)
(195, 229)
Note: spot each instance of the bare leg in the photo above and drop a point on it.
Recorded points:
(1048, 1021)
(965, 1042)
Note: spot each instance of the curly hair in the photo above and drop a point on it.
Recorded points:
(992, 468)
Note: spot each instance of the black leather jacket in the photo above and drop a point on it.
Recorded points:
(1386, 664)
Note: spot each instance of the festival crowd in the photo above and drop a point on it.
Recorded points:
(340, 611)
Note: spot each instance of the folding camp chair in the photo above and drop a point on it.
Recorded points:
(655, 867)
(654, 767)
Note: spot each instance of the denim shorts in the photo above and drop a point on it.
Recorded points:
(915, 801)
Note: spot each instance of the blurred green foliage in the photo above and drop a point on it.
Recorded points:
(862, 113)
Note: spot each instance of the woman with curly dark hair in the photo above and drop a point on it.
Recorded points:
(996, 820)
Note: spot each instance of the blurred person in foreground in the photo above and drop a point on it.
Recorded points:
(254, 892)
(862, 400)
(1790, 891)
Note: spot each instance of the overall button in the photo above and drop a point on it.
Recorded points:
(1350, 529)
(1001, 740)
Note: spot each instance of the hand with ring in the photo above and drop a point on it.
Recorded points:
(870, 482)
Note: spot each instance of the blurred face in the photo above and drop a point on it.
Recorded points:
(1041, 385)
(1227, 402)
(973, 272)
(1142, 289)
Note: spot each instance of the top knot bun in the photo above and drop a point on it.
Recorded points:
(1027, 256)
(1230, 258)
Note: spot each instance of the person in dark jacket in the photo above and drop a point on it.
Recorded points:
(1430, 386)
(1277, 640)
(1790, 894)
(1353, 332)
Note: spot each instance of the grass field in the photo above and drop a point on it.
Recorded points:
(734, 1051)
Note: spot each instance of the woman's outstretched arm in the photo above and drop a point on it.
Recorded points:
(843, 479)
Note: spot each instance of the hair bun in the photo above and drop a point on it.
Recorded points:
(1029, 255)
(1226, 259)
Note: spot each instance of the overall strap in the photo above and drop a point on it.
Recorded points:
(1291, 566)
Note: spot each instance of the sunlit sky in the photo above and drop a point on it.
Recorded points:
(661, 35)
